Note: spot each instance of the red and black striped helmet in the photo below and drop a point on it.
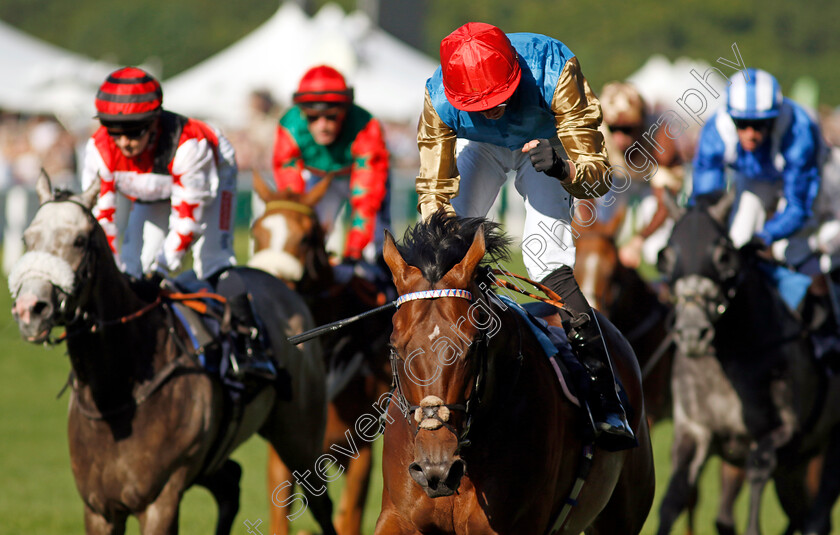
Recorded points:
(129, 95)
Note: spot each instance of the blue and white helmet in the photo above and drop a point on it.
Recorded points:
(754, 96)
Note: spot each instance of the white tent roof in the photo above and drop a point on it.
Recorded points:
(388, 75)
(45, 79)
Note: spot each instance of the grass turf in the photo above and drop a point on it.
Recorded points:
(38, 496)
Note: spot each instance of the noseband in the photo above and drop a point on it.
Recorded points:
(432, 413)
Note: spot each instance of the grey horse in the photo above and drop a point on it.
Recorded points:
(146, 420)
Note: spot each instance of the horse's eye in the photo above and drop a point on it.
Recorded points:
(80, 242)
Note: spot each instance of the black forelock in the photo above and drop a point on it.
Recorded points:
(438, 244)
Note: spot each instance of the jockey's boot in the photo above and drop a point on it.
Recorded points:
(252, 356)
(612, 430)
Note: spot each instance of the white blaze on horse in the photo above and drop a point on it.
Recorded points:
(289, 242)
(146, 420)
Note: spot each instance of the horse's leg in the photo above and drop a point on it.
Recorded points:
(793, 495)
(819, 521)
(761, 463)
(96, 524)
(391, 523)
(731, 481)
(161, 516)
(279, 493)
(352, 503)
(224, 486)
(688, 454)
(302, 461)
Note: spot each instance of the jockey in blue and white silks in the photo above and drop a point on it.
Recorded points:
(773, 148)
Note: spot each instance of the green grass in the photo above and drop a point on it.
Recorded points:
(38, 496)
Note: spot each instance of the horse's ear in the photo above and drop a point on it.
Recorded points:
(91, 194)
(260, 187)
(314, 195)
(44, 187)
(720, 210)
(674, 210)
(461, 274)
(404, 275)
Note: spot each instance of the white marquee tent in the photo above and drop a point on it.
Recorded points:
(41, 78)
(388, 75)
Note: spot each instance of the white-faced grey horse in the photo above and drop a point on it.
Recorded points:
(146, 420)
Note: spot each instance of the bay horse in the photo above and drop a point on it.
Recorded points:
(289, 242)
(146, 420)
(481, 439)
(745, 384)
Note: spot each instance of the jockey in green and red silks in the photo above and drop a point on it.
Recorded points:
(323, 133)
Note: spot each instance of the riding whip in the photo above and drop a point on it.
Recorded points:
(336, 325)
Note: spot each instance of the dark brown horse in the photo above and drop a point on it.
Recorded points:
(146, 421)
(481, 439)
(289, 242)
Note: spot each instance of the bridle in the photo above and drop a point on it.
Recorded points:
(427, 411)
(80, 321)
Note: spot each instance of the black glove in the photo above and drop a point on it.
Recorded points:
(755, 245)
(546, 160)
(759, 248)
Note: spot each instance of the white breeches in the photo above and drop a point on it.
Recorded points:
(547, 241)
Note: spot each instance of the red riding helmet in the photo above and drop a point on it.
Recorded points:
(129, 95)
(480, 67)
(323, 86)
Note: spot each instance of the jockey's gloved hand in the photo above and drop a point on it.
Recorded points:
(545, 159)
(157, 274)
(758, 247)
(755, 244)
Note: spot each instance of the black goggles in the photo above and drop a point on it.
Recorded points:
(755, 124)
(129, 130)
(624, 129)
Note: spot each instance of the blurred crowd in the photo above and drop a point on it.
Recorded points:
(30, 143)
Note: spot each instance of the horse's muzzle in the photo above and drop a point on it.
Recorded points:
(33, 313)
(438, 479)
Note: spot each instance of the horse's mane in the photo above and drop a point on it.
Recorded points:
(436, 245)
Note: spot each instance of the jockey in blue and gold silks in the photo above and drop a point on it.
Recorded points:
(520, 102)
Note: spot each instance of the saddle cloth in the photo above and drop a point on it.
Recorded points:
(570, 374)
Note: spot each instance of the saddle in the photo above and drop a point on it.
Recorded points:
(573, 378)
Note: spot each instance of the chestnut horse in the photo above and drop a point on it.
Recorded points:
(289, 242)
(481, 438)
(146, 420)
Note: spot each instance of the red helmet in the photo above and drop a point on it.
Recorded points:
(129, 95)
(323, 86)
(480, 67)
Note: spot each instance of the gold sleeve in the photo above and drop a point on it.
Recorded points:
(437, 182)
(577, 116)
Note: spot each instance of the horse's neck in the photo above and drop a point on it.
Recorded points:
(756, 316)
(109, 356)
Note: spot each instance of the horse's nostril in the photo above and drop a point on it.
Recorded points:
(456, 472)
(39, 307)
